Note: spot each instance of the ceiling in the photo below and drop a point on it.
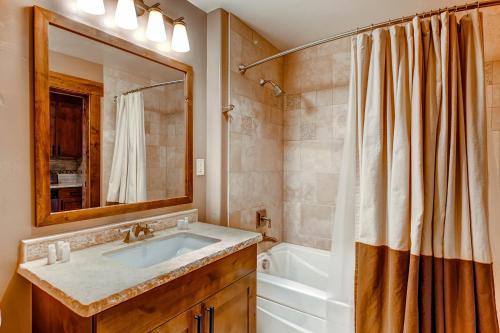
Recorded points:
(289, 23)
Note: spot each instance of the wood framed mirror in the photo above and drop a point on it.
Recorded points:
(113, 124)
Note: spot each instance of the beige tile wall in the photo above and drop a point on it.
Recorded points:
(256, 133)
(316, 82)
(164, 125)
(173, 122)
(491, 25)
(493, 103)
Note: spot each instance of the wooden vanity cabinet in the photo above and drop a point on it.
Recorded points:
(217, 298)
(70, 198)
(231, 310)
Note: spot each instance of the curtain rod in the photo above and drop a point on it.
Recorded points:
(151, 86)
(467, 6)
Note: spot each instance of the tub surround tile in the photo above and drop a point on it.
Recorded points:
(495, 119)
(90, 283)
(316, 81)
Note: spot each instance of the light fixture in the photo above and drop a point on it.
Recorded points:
(125, 15)
(180, 42)
(156, 28)
(94, 7)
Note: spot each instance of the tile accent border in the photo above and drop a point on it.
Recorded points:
(36, 248)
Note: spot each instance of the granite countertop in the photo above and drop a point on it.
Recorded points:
(65, 185)
(90, 282)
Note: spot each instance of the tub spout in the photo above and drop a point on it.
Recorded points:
(266, 238)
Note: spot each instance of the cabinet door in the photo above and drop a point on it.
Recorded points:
(232, 310)
(189, 321)
(68, 123)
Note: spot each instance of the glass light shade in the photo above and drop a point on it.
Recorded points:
(94, 7)
(156, 28)
(180, 42)
(125, 15)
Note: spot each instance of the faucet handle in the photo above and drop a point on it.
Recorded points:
(262, 218)
(130, 237)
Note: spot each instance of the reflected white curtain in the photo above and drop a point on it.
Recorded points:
(127, 181)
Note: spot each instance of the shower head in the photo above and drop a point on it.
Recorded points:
(276, 88)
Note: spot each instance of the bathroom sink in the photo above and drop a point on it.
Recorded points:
(154, 251)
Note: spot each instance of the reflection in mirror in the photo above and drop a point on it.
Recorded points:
(118, 125)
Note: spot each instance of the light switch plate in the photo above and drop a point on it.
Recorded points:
(200, 167)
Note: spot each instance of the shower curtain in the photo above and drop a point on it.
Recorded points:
(127, 182)
(417, 108)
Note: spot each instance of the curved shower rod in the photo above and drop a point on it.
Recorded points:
(149, 87)
(478, 4)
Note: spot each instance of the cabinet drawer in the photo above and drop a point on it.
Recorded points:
(70, 193)
(70, 204)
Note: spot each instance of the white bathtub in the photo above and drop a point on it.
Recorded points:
(291, 292)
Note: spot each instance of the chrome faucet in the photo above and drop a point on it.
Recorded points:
(138, 232)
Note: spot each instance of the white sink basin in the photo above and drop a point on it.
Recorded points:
(155, 250)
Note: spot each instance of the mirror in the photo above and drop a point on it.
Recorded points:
(113, 124)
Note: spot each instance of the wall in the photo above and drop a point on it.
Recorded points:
(256, 133)
(491, 24)
(316, 82)
(217, 125)
(16, 135)
(63, 63)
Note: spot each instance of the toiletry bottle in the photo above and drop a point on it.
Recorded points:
(59, 249)
(51, 254)
(66, 250)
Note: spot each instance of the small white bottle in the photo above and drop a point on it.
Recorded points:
(183, 224)
(51, 254)
(66, 251)
(59, 249)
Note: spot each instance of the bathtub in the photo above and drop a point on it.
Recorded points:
(291, 292)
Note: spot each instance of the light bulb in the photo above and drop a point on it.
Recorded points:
(125, 16)
(156, 28)
(94, 7)
(180, 42)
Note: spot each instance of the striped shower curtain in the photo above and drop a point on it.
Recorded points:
(423, 260)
